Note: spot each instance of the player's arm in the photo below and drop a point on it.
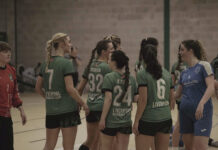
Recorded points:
(142, 102)
(106, 107)
(38, 86)
(82, 85)
(207, 94)
(173, 78)
(178, 92)
(172, 99)
(74, 93)
(23, 115)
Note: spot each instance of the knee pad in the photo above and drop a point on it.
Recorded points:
(83, 147)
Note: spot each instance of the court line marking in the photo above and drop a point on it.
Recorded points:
(20, 132)
(40, 140)
(15, 122)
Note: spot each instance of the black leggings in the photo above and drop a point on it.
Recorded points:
(6, 134)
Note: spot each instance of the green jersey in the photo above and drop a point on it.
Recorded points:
(158, 95)
(98, 70)
(214, 65)
(178, 71)
(119, 114)
(140, 66)
(58, 101)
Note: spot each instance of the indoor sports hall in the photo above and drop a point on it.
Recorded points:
(28, 25)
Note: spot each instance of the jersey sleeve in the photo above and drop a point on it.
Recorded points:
(16, 101)
(207, 70)
(41, 71)
(68, 68)
(107, 84)
(141, 78)
(134, 86)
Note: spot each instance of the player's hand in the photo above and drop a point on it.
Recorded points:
(101, 124)
(172, 104)
(199, 111)
(86, 108)
(23, 117)
(135, 128)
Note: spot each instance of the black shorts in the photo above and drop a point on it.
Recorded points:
(6, 134)
(93, 116)
(63, 120)
(114, 131)
(152, 128)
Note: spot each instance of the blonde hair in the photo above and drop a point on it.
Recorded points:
(115, 39)
(53, 44)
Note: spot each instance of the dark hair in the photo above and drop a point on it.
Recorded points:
(150, 40)
(122, 60)
(179, 58)
(101, 45)
(115, 40)
(150, 58)
(197, 48)
(4, 46)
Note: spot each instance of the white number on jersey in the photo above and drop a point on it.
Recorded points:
(51, 72)
(126, 98)
(161, 88)
(95, 79)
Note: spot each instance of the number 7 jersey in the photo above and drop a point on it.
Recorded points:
(58, 101)
(98, 70)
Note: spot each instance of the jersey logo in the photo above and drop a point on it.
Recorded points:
(197, 70)
(203, 130)
(189, 77)
(10, 77)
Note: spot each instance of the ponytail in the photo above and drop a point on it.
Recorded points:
(53, 43)
(152, 64)
(122, 60)
(49, 51)
(150, 40)
(90, 60)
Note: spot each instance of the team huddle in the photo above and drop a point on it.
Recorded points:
(112, 91)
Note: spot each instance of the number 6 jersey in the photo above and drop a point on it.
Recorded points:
(158, 95)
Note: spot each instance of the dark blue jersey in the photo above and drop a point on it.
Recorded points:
(194, 86)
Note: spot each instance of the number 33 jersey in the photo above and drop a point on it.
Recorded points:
(158, 95)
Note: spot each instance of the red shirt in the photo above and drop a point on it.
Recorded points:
(9, 95)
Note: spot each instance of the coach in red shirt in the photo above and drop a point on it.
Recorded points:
(9, 97)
